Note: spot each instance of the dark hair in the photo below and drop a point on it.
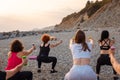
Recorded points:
(80, 38)
(45, 38)
(16, 46)
(104, 35)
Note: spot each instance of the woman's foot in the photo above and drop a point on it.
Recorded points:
(53, 71)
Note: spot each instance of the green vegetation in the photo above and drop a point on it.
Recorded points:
(90, 8)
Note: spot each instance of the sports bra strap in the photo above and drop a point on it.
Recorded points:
(44, 45)
(105, 42)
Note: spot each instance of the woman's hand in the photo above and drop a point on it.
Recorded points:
(33, 46)
(90, 40)
(53, 38)
(71, 41)
(55, 44)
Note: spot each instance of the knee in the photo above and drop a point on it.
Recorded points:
(55, 59)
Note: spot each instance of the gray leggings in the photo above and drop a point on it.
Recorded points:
(81, 72)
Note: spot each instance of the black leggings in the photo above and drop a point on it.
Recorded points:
(24, 75)
(2, 75)
(47, 60)
(103, 60)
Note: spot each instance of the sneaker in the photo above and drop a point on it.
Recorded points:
(53, 71)
(39, 71)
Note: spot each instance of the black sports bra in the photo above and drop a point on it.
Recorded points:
(105, 46)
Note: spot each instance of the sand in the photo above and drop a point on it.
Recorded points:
(63, 54)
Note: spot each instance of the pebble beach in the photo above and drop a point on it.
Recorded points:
(62, 53)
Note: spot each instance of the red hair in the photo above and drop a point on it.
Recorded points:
(45, 38)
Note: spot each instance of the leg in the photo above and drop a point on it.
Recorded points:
(24, 75)
(27, 75)
(108, 62)
(49, 60)
(115, 78)
(114, 72)
(39, 60)
(100, 62)
(2, 75)
(98, 69)
(54, 61)
(98, 66)
(39, 64)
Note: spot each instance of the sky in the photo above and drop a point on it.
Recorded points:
(25, 15)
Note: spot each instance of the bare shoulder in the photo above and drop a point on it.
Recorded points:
(9, 54)
(20, 54)
(45, 44)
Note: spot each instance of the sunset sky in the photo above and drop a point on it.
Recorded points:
(30, 14)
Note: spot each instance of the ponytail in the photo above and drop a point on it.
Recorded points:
(85, 47)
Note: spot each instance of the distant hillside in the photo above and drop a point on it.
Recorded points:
(84, 15)
(48, 28)
(107, 16)
(44, 29)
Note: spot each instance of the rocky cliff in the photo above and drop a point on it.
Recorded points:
(105, 13)
(107, 16)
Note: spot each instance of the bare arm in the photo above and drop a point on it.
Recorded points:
(114, 62)
(91, 41)
(27, 52)
(12, 72)
(55, 44)
(112, 42)
(9, 54)
(71, 42)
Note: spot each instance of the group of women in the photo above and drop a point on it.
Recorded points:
(81, 52)
(16, 61)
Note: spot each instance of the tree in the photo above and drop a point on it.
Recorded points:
(88, 3)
